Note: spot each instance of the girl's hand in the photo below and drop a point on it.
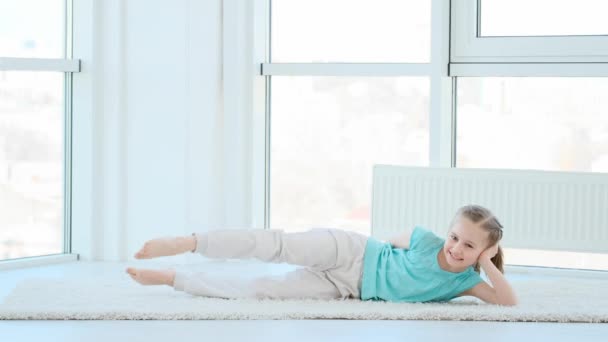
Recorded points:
(489, 253)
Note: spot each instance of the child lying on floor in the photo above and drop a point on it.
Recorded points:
(416, 266)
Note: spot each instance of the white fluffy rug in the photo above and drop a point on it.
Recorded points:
(92, 298)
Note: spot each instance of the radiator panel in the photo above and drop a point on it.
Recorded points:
(539, 209)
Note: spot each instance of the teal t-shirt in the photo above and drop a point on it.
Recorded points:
(411, 275)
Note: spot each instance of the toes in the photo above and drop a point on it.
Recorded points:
(141, 254)
(131, 271)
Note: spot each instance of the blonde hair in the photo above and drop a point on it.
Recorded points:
(485, 219)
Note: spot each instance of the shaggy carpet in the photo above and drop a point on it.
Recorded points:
(101, 298)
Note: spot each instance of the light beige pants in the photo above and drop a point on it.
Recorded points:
(332, 261)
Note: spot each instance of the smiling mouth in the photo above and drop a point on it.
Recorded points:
(453, 256)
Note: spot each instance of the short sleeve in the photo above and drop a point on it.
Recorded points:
(471, 281)
(423, 239)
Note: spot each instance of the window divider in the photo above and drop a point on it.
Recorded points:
(346, 69)
(39, 64)
(529, 69)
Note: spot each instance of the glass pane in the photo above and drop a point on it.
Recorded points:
(31, 163)
(326, 135)
(32, 28)
(543, 17)
(555, 124)
(356, 31)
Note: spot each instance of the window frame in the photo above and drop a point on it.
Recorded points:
(474, 55)
(68, 66)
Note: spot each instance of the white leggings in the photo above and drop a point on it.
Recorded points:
(332, 260)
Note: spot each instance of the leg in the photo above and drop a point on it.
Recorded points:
(315, 248)
(166, 246)
(152, 277)
(300, 283)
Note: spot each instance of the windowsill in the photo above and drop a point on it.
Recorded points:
(37, 261)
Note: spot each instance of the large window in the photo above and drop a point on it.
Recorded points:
(330, 123)
(34, 86)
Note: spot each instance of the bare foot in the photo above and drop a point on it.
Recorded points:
(166, 246)
(152, 277)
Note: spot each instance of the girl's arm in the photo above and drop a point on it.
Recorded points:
(500, 292)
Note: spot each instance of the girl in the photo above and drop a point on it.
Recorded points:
(416, 266)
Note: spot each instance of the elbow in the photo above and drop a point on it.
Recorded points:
(507, 302)
(506, 298)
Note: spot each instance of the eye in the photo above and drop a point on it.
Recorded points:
(453, 237)
(469, 246)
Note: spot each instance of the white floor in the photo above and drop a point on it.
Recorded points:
(275, 330)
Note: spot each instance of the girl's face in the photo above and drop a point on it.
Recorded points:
(464, 244)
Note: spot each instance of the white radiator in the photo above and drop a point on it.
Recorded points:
(539, 209)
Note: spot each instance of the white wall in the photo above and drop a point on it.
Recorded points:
(150, 146)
